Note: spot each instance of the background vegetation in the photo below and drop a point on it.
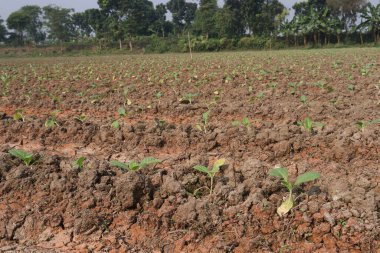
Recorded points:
(238, 24)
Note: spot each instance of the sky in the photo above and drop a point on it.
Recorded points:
(7, 7)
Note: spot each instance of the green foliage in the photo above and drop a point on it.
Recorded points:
(133, 165)
(82, 118)
(115, 124)
(188, 98)
(18, 115)
(363, 124)
(79, 163)
(203, 125)
(309, 125)
(244, 122)
(24, 156)
(282, 173)
(121, 111)
(211, 172)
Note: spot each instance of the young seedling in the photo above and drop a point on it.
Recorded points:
(21, 154)
(303, 99)
(245, 122)
(202, 126)
(81, 118)
(135, 166)
(188, 98)
(308, 124)
(121, 111)
(363, 124)
(115, 124)
(211, 173)
(79, 163)
(52, 120)
(282, 173)
(18, 115)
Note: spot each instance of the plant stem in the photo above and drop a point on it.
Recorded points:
(212, 181)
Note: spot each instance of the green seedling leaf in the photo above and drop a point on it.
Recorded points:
(133, 166)
(285, 207)
(205, 117)
(81, 118)
(281, 173)
(375, 121)
(306, 177)
(115, 124)
(308, 124)
(79, 163)
(50, 122)
(21, 154)
(201, 169)
(122, 112)
(236, 123)
(217, 165)
(18, 115)
(246, 122)
(120, 165)
(148, 161)
(303, 99)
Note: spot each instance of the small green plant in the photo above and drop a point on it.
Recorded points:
(121, 111)
(21, 154)
(350, 87)
(245, 122)
(188, 98)
(115, 124)
(18, 115)
(308, 124)
(211, 173)
(363, 124)
(81, 118)
(79, 163)
(303, 99)
(282, 173)
(133, 165)
(52, 120)
(203, 125)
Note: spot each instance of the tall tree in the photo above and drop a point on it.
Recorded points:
(3, 30)
(347, 10)
(230, 19)
(27, 22)
(81, 24)
(371, 17)
(205, 17)
(59, 23)
(178, 11)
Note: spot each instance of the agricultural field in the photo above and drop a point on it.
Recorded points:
(161, 153)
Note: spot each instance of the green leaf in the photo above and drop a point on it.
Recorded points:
(246, 122)
(21, 154)
(50, 123)
(279, 172)
(375, 121)
(218, 164)
(236, 123)
(133, 166)
(79, 163)
(205, 117)
(308, 176)
(308, 124)
(115, 124)
(201, 169)
(149, 160)
(123, 166)
(121, 111)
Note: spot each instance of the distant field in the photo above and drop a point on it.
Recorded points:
(306, 110)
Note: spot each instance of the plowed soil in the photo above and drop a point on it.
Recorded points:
(51, 206)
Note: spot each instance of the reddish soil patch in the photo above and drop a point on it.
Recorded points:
(52, 207)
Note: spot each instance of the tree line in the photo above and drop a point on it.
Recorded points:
(314, 22)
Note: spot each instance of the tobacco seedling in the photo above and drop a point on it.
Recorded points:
(135, 166)
(303, 99)
(203, 125)
(115, 124)
(81, 118)
(188, 98)
(21, 154)
(211, 173)
(18, 115)
(282, 173)
(308, 124)
(245, 122)
(52, 120)
(121, 111)
(79, 163)
(363, 124)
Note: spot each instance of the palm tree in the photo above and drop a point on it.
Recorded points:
(371, 15)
